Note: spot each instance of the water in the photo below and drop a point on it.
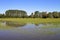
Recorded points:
(16, 31)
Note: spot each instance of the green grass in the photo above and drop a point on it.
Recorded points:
(54, 21)
(32, 20)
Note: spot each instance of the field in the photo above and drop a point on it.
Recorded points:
(32, 20)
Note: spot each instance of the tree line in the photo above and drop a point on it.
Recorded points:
(23, 14)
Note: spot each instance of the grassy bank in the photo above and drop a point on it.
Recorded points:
(32, 20)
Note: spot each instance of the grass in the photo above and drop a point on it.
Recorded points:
(32, 20)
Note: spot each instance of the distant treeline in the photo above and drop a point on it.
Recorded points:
(23, 14)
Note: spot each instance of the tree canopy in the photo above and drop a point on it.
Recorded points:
(23, 14)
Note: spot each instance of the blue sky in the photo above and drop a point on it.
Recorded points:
(30, 5)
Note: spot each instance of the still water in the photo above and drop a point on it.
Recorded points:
(16, 31)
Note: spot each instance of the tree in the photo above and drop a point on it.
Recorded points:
(55, 14)
(36, 15)
(40, 14)
(49, 15)
(2, 16)
(59, 14)
(44, 14)
(32, 15)
(16, 13)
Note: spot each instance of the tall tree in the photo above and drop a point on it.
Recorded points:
(55, 14)
(16, 13)
(59, 14)
(44, 14)
(50, 15)
(36, 14)
(40, 14)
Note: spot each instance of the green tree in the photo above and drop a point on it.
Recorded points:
(36, 14)
(55, 14)
(2, 16)
(32, 15)
(40, 14)
(16, 13)
(59, 14)
(44, 14)
(50, 15)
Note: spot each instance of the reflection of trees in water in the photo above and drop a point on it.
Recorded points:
(36, 24)
(14, 24)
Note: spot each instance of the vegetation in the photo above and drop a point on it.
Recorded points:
(32, 20)
(16, 22)
(23, 14)
(37, 17)
(15, 13)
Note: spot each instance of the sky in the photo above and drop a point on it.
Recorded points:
(30, 5)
